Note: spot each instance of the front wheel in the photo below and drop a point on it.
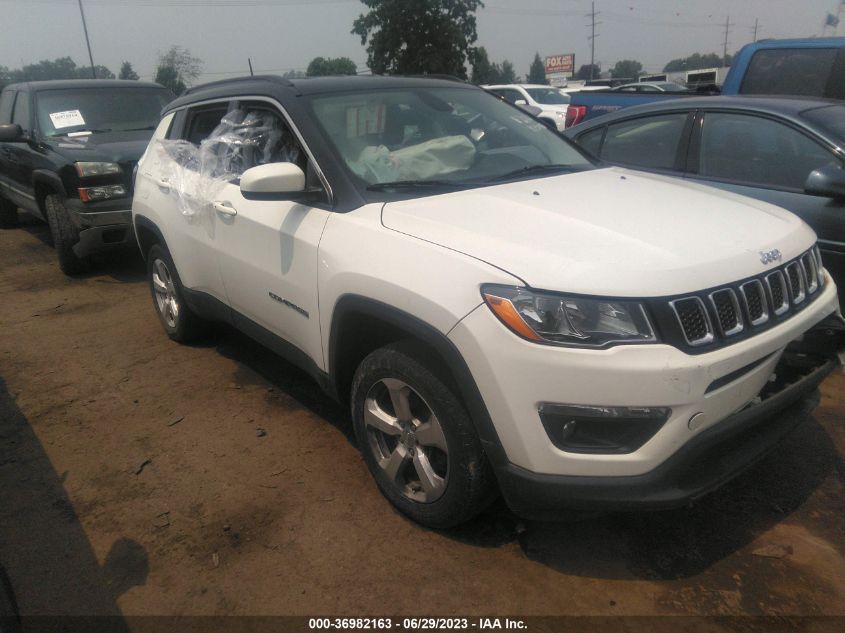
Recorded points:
(418, 440)
(65, 236)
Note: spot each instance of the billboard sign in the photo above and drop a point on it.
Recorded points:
(560, 64)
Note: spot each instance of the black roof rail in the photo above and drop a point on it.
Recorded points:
(224, 82)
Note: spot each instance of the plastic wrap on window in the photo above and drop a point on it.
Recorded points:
(422, 161)
(243, 139)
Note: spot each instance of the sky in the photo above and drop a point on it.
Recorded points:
(281, 35)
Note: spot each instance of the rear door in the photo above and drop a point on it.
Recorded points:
(770, 159)
(267, 248)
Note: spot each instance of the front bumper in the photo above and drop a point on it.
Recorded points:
(103, 226)
(707, 394)
(703, 464)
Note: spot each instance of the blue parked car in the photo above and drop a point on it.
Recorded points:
(783, 150)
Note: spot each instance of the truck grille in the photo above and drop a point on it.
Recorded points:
(728, 311)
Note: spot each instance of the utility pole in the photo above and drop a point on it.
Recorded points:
(592, 15)
(727, 32)
(756, 26)
(87, 41)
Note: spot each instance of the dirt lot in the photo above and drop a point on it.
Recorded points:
(138, 476)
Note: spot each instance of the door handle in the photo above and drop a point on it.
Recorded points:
(225, 208)
(163, 183)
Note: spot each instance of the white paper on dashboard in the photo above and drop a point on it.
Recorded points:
(68, 118)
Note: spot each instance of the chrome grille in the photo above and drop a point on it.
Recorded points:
(755, 302)
(750, 304)
(694, 320)
(728, 315)
(796, 282)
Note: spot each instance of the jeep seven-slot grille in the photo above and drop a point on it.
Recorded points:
(726, 312)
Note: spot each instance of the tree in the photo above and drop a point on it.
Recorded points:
(507, 74)
(419, 37)
(537, 72)
(697, 61)
(583, 73)
(177, 68)
(59, 68)
(127, 72)
(627, 69)
(294, 74)
(168, 77)
(483, 72)
(322, 66)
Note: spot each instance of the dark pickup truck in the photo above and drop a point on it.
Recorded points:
(806, 67)
(67, 153)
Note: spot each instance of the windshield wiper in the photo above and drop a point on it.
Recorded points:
(138, 129)
(416, 184)
(80, 132)
(534, 169)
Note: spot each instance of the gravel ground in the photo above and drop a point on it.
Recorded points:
(141, 477)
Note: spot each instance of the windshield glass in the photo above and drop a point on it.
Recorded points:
(456, 135)
(61, 112)
(671, 87)
(548, 96)
(831, 118)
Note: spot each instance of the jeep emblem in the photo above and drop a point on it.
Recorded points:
(767, 257)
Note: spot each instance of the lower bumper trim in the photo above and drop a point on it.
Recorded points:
(700, 466)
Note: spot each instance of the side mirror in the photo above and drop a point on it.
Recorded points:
(519, 102)
(827, 181)
(279, 180)
(11, 133)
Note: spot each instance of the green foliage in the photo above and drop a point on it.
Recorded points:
(537, 71)
(127, 72)
(59, 68)
(168, 77)
(584, 72)
(696, 61)
(177, 68)
(322, 66)
(627, 68)
(418, 37)
(294, 74)
(486, 72)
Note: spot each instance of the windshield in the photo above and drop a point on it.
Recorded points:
(671, 87)
(61, 112)
(832, 118)
(454, 135)
(548, 96)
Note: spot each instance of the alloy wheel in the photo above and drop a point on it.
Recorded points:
(165, 293)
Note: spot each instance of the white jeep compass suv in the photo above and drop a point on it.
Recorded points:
(499, 314)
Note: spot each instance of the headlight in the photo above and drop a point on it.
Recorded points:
(97, 169)
(94, 194)
(546, 317)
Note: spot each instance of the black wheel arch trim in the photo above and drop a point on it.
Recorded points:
(350, 304)
(146, 223)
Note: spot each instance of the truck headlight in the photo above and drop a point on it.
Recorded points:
(558, 319)
(97, 169)
(95, 194)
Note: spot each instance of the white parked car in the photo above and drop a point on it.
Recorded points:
(552, 101)
(498, 314)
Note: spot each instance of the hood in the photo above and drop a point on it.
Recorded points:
(115, 147)
(609, 232)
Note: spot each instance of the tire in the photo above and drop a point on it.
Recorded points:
(8, 214)
(402, 446)
(178, 320)
(65, 236)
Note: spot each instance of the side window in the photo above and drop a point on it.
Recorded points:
(591, 141)
(20, 113)
(757, 151)
(202, 122)
(7, 100)
(650, 142)
(512, 96)
(789, 71)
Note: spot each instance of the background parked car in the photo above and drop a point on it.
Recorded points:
(650, 86)
(67, 151)
(551, 101)
(786, 151)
